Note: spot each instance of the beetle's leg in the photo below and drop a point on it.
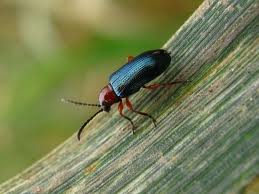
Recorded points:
(130, 58)
(120, 108)
(155, 86)
(129, 105)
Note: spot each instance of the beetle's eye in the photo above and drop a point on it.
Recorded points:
(106, 108)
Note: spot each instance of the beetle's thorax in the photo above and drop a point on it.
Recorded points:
(107, 98)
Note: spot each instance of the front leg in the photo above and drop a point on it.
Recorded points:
(120, 109)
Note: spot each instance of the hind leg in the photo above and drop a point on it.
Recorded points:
(156, 86)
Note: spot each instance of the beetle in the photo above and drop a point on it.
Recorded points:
(128, 80)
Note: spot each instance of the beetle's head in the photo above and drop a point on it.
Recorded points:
(107, 98)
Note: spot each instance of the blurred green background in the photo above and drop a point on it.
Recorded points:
(56, 48)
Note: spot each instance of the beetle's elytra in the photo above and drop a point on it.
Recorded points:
(129, 79)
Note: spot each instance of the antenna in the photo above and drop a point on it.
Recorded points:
(79, 103)
(83, 126)
(88, 120)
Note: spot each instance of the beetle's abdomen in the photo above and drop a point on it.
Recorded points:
(135, 74)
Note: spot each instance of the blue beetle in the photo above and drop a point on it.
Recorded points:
(129, 79)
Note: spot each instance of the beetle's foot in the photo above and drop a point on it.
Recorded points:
(133, 128)
(154, 121)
